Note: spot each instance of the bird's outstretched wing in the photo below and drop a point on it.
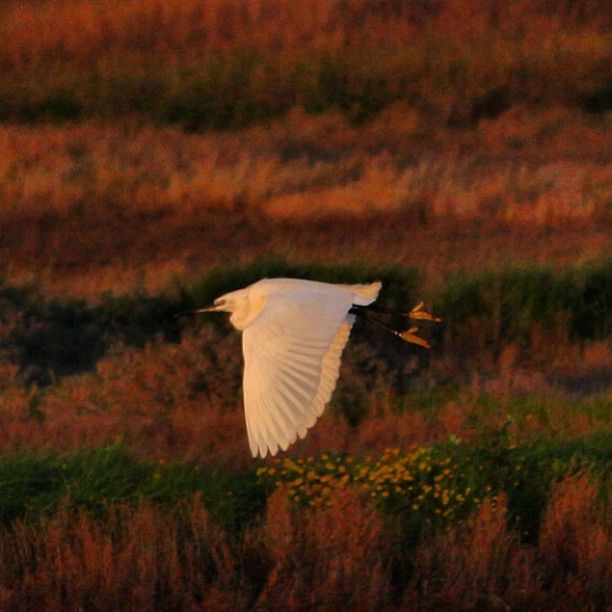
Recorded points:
(292, 356)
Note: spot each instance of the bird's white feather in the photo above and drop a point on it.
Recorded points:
(292, 352)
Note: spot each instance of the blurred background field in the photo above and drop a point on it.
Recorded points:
(156, 154)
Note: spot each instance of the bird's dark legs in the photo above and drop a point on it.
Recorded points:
(381, 309)
(364, 313)
(417, 313)
(408, 335)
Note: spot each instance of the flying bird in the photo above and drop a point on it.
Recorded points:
(293, 334)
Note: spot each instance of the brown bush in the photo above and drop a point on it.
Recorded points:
(575, 545)
(480, 565)
(131, 560)
(326, 557)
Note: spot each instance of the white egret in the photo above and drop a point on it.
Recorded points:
(293, 334)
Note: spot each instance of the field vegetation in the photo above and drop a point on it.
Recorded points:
(156, 154)
(124, 440)
(230, 63)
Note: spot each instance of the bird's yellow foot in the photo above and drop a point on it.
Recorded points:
(409, 336)
(418, 314)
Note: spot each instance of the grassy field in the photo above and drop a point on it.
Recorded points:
(230, 63)
(156, 154)
(124, 447)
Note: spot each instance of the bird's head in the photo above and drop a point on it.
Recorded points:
(225, 303)
(238, 303)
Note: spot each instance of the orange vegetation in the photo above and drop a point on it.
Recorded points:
(448, 136)
(183, 401)
(537, 167)
(95, 207)
(451, 135)
(456, 59)
(343, 554)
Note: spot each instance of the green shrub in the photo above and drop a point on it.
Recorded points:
(32, 485)
(481, 313)
(490, 309)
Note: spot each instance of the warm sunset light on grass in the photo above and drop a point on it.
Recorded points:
(155, 155)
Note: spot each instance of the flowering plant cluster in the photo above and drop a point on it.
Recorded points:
(419, 481)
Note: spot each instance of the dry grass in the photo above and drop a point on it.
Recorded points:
(229, 62)
(321, 560)
(575, 542)
(482, 565)
(131, 560)
(447, 136)
(95, 207)
(344, 553)
(222, 24)
(183, 402)
(452, 136)
(535, 167)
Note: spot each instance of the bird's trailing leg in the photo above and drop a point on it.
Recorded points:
(418, 314)
(409, 335)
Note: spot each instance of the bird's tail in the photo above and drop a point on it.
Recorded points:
(365, 294)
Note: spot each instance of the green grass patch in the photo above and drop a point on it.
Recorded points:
(438, 485)
(431, 485)
(34, 485)
(482, 312)
(494, 307)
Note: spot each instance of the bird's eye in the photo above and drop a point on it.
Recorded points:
(220, 302)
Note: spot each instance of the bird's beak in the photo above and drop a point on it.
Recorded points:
(212, 308)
